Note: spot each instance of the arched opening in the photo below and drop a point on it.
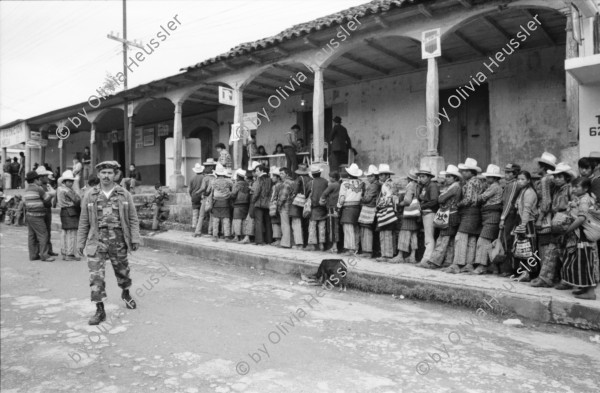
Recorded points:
(501, 65)
(153, 126)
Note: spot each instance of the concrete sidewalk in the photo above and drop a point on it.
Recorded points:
(489, 293)
(485, 293)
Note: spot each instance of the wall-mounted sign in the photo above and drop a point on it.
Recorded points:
(149, 136)
(250, 120)
(431, 45)
(13, 135)
(139, 138)
(31, 143)
(163, 130)
(226, 96)
(35, 135)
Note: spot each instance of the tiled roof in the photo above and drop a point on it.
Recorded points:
(302, 29)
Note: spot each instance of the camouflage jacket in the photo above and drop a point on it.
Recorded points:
(87, 233)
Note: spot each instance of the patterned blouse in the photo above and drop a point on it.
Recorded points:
(284, 199)
(387, 194)
(561, 198)
(222, 188)
(492, 196)
(351, 193)
(471, 191)
(450, 197)
(67, 197)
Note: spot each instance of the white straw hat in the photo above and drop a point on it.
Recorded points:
(198, 168)
(452, 170)
(67, 175)
(384, 168)
(548, 158)
(354, 170)
(372, 171)
(492, 171)
(471, 164)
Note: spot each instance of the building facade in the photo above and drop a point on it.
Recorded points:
(514, 79)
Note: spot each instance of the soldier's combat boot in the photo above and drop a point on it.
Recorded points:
(129, 302)
(100, 315)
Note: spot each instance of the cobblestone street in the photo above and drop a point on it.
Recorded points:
(197, 321)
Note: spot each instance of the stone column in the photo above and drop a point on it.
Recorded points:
(432, 102)
(571, 86)
(318, 116)
(176, 180)
(131, 138)
(93, 150)
(432, 160)
(238, 117)
(61, 155)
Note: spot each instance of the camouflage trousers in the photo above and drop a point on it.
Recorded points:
(111, 245)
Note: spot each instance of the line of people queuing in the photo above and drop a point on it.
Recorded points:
(538, 227)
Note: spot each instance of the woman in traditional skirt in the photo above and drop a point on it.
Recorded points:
(543, 185)
(240, 196)
(284, 203)
(386, 200)
(351, 192)
(491, 209)
(248, 228)
(69, 203)
(317, 225)
(301, 187)
(581, 267)
(221, 210)
(275, 220)
(407, 238)
(443, 253)
(366, 220)
(465, 241)
(550, 243)
(527, 210)
(329, 199)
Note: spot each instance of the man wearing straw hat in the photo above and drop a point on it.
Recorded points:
(45, 183)
(368, 209)
(386, 200)
(108, 229)
(491, 210)
(240, 196)
(509, 217)
(318, 215)
(351, 192)
(221, 211)
(194, 188)
(209, 177)
(69, 203)
(428, 199)
(261, 197)
(465, 242)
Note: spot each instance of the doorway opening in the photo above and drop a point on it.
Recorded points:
(467, 133)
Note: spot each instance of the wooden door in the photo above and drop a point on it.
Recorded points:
(467, 133)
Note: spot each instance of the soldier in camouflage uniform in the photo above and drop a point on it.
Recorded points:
(108, 229)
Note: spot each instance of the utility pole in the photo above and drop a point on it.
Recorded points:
(128, 131)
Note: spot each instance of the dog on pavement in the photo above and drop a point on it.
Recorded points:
(332, 273)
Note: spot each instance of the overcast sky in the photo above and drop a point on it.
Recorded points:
(55, 53)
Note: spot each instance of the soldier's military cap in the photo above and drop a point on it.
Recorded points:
(107, 165)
